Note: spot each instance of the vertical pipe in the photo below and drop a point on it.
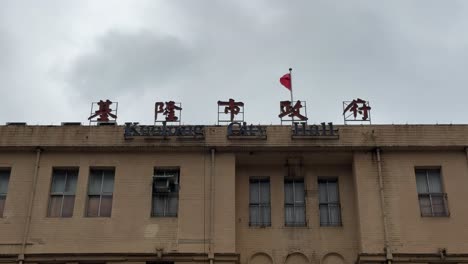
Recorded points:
(466, 152)
(30, 206)
(388, 250)
(212, 205)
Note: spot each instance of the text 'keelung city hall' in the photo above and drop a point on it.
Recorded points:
(233, 192)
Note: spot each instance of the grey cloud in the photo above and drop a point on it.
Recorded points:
(394, 54)
(407, 57)
(126, 62)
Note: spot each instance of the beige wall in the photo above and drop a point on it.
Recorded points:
(14, 215)
(366, 182)
(186, 238)
(129, 229)
(411, 232)
(313, 241)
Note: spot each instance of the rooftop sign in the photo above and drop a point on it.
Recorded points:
(322, 131)
(133, 130)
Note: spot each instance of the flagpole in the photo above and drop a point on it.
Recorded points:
(291, 90)
(290, 76)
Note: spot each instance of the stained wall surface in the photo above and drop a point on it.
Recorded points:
(213, 211)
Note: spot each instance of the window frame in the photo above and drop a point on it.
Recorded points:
(294, 204)
(429, 194)
(63, 194)
(4, 195)
(101, 193)
(328, 204)
(260, 205)
(166, 196)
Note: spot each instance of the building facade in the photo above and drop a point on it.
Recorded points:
(109, 194)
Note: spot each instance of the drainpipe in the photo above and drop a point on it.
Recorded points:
(466, 152)
(30, 206)
(388, 250)
(212, 206)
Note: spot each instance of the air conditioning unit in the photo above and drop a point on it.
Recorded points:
(161, 185)
(165, 181)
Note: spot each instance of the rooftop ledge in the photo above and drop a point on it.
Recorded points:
(274, 137)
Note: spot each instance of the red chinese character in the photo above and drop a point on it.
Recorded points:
(103, 112)
(232, 107)
(355, 109)
(286, 108)
(168, 111)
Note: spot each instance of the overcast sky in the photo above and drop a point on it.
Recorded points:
(408, 58)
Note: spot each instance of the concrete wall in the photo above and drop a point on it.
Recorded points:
(312, 242)
(130, 228)
(187, 238)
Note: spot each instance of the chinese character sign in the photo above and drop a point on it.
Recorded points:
(287, 109)
(167, 109)
(231, 107)
(104, 111)
(356, 110)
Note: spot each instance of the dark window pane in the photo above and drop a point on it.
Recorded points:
(63, 182)
(265, 215)
(94, 186)
(299, 192)
(335, 214)
(4, 178)
(108, 186)
(55, 205)
(324, 220)
(323, 195)
(332, 191)
(93, 205)
(58, 182)
(438, 205)
(70, 186)
(254, 193)
(106, 206)
(68, 205)
(259, 214)
(435, 183)
(329, 206)
(425, 205)
(294, 202)
(289, 214)
(299, 215)
(172, 205)
(432, 200)
(2, 204)
(254, 217)
(265, 192)
(159, 205)
(288, 193)
(421, 181)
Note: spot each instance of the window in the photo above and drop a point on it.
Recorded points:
(432, 201)
(329, 202)
(62, 192)
(4, 178)
(294, 202)
(165, 192)
(260, 202)
(100, 191)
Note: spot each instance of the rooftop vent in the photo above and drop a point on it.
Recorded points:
(106, 124)
(16, 123)
(71, 123)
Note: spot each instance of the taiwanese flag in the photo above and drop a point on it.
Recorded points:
(286, 81)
